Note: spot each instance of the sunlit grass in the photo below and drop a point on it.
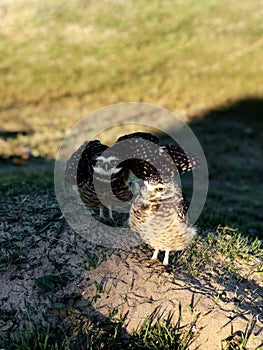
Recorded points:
(63, 59)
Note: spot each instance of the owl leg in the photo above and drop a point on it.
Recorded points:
(155, 254)
(101, 212)
(166, 257)
(110, 213)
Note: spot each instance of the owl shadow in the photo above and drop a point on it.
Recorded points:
(237, 297)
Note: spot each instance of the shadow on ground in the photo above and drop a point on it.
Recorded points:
(232, 138)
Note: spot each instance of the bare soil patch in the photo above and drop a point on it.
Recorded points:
(214, 304)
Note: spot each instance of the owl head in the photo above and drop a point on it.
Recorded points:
(160, 188)
(106, 165)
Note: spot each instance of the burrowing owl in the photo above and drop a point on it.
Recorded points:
(99, 175)
(159, 215)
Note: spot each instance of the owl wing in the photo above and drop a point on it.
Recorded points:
(145, 157)
(182, 208)
(79, 165)
(142, 135)
(184, 161)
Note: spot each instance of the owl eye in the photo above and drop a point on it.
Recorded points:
(114, 162)
(160, 189)
(99, 162)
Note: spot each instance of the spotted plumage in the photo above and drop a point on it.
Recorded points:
(145, 156)
(101, 180)
(159, 215)
(111, 180)
(184, 161)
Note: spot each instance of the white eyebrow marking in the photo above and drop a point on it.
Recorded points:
(108, 159)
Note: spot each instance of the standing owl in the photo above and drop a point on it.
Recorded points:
(100, 177)
(159, 215)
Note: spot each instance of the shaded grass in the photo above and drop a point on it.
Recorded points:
(16, 180)
(107, 336)
(231, 136)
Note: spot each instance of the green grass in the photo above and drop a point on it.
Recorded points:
(109, 336)
(231, 137)
(62, 60)
(229, 244)
(104, 335)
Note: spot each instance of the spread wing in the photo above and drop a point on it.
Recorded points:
(184, 161)
(141, 135)
(144, 155)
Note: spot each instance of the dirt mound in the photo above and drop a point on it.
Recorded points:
(213, 309)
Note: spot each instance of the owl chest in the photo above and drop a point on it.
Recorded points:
(88, 195)
(165, 235)
(147, 217)
(105, 191)
(173, 239)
